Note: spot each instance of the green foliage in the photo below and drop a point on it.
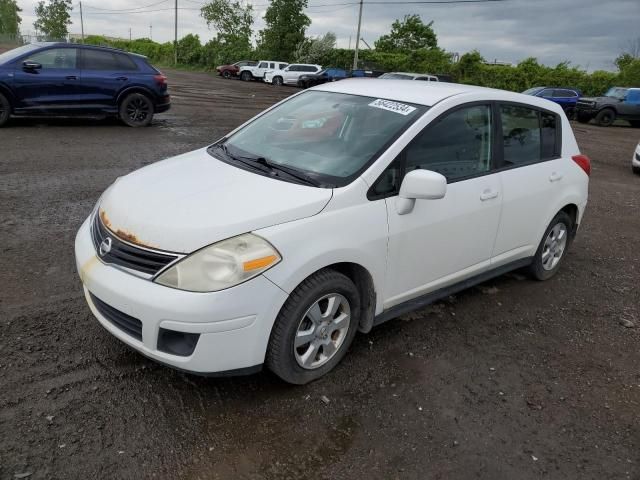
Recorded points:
(190, 50)
(630, 73)
(408, 35)
(9, 18)
(314, 50)
(233, 22)
(286, 24)
(53, 18)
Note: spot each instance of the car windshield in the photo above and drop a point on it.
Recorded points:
(16, 52)
(327, 137)
(533, 90)
(617, 92)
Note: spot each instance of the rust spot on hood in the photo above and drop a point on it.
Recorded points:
(105, 221)
(123, 234)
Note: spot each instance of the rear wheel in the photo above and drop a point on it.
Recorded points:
(246, 76)
(277, 81)
(552, 248)
(314, 328)
(606, 117)
(136, 110)
(5, 110)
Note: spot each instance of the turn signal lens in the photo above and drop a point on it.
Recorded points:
(259, 263)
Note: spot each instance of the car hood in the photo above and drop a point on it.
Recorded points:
(600, 100)
(192, 200)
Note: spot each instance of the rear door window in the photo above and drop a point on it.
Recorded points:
(529, 135)
(125, 62)
(99, 60)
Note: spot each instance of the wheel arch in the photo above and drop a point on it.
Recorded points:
(608, 107)
(136, 89)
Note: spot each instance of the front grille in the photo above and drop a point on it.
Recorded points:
(125, 254)
(128, 324)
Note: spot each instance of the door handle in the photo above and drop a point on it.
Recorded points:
(71, 77)
(122, 79)
(488, 194)
(555, 176)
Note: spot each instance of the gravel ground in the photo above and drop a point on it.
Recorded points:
(513, 379)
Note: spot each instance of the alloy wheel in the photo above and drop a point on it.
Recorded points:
(554, 246)
(138, 109)
(322, 331)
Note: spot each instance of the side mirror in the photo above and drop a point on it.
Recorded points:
(29, 65)
(420, 185)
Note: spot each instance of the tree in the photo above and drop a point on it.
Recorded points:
(408, 35)
(233, 21)
(286, 24)
(315, 50)
(53, 18)
(9, 18)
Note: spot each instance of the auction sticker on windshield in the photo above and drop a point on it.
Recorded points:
(397, 107)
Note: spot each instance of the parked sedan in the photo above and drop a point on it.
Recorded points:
(327, 75)
(567, 98)
(233, 70)
(66, 79)
(341, 207)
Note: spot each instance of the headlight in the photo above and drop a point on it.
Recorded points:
(221, 265)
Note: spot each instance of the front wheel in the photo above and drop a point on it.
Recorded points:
(277, 81)
(606, 117)
(314, 328)
(5, 110)
(246, 76)
(136, 110)
(583, 118)
(552, 248)
(226, 74)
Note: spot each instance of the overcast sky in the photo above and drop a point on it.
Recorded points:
(589, 33)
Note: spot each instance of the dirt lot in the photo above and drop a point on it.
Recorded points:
(511, 380)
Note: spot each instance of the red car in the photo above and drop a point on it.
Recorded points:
(230, 71)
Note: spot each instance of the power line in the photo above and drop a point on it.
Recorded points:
(125, 9)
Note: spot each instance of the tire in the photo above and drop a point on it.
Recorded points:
(570, 112)
(226, 74)
(246, 76)
(636, 170)
(582, 118)
(606, 117)
(5, 110)
(543, 266)
(328, 339)
(635, 123)
(136, 110)
(277, 81)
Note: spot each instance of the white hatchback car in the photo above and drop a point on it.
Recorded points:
(635, 160)
(337, 209)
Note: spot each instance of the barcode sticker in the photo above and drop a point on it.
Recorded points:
(391, 106)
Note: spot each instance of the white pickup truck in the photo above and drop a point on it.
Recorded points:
(257, 72)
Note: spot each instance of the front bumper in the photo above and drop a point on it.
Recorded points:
(635, 161)
(233, 324)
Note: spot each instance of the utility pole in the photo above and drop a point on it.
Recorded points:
(349, 42)
(150, 31)
(81, 23)
(175, 38)
(355, 55)
(129, 33)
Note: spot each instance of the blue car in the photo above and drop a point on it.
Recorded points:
(63, 79)
(567, 98)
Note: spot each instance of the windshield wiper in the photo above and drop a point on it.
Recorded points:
(292, 172)
(264, 165)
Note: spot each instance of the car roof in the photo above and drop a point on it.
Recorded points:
(423, 93)
(86, 45)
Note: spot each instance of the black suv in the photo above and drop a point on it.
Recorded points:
(618, 102)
